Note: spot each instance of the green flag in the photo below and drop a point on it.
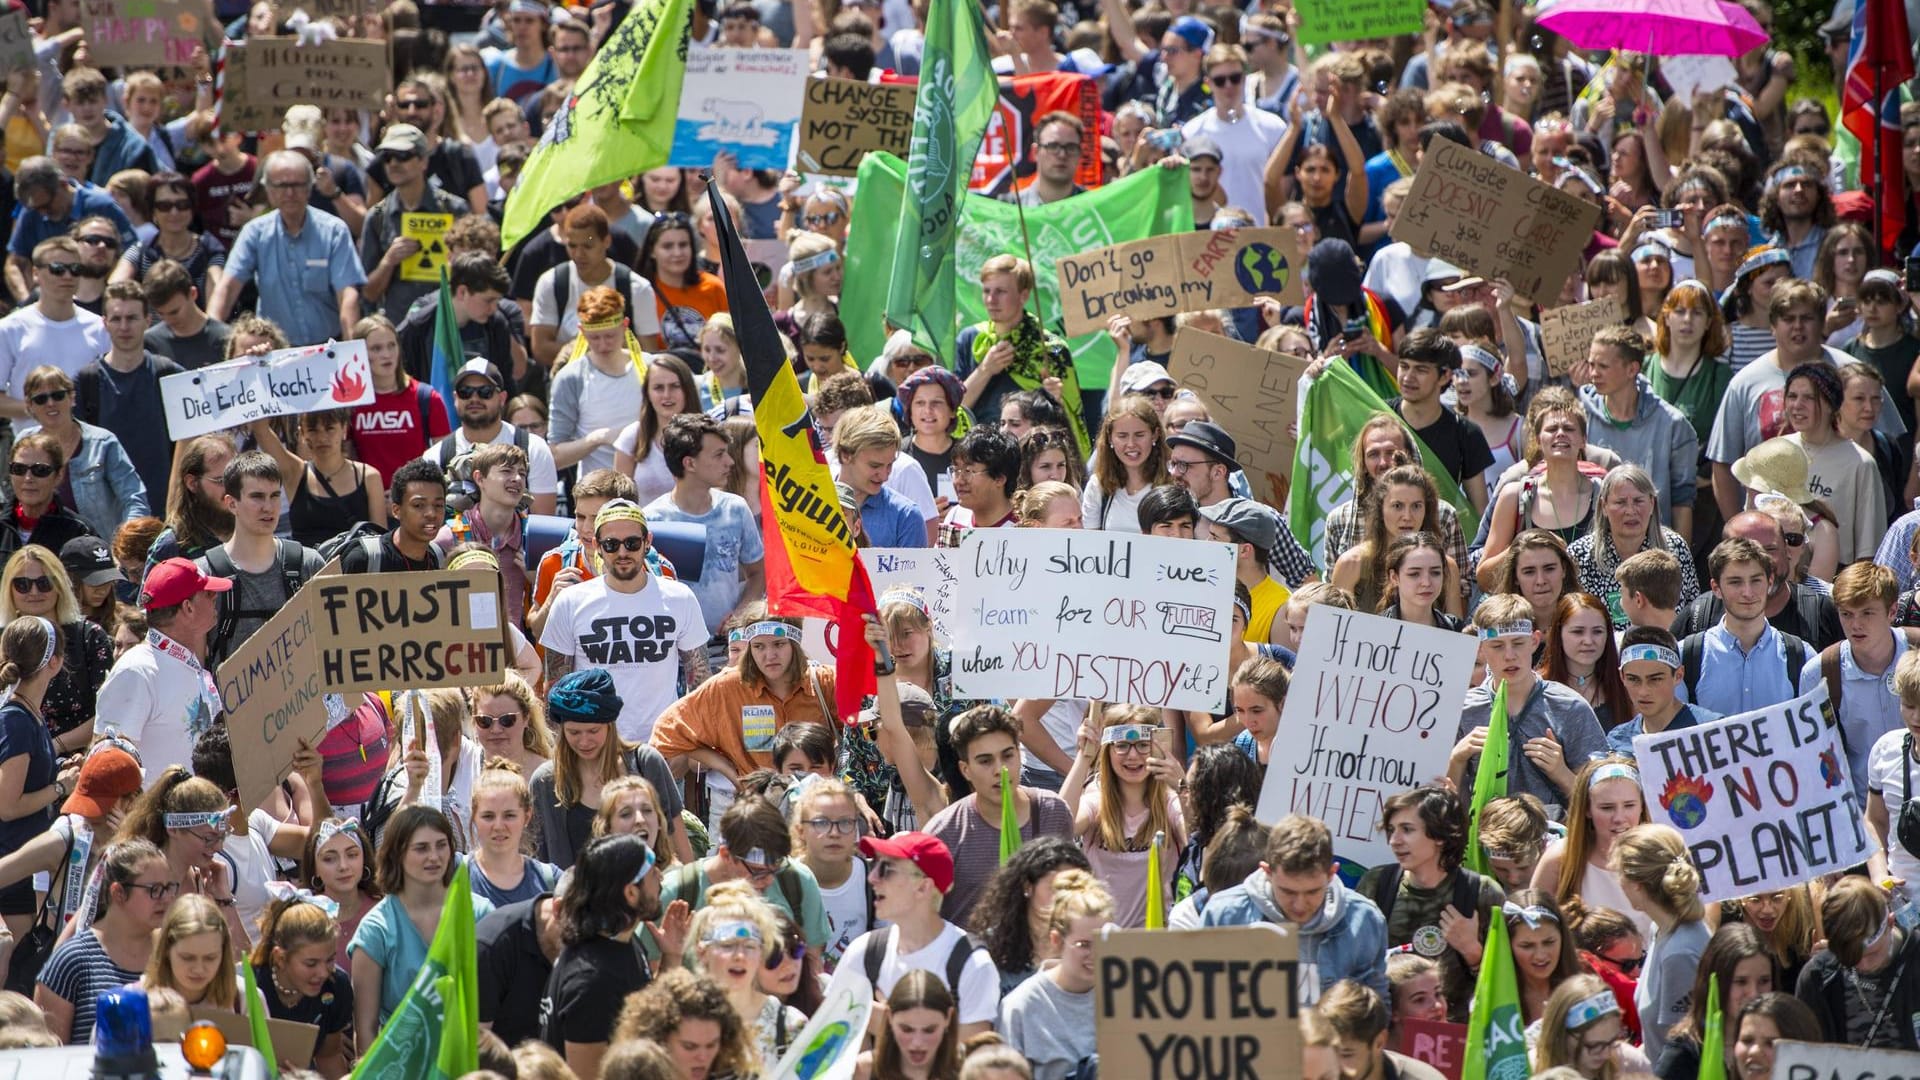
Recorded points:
(1490, 781)
(1009, 818)
(434, 1033)
(1151, 202)
(448, 353)
(616, 123)
(257, 1019)
(1713, 1037)
(957, 96)
(1339, 404)
(1496, 1035)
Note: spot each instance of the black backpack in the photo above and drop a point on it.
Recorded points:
(877, 941)
(335, 546)
(563, 288)
(290, 555)
(1693, 653)
(1466, 891)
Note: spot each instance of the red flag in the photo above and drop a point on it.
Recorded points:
(1879, 59)
(1006, 153)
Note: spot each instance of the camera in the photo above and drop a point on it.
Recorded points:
(1669, 219)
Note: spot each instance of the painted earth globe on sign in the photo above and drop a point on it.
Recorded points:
(1261, 269)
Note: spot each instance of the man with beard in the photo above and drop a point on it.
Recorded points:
(614, 892)
(99, 241)
(646, 632)
(481, 400)
(1796, 210)
(1056, 158)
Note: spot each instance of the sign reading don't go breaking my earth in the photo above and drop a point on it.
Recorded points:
(299, 380)
(1060, 613)
(1166, 275)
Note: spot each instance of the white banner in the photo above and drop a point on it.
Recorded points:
(1828, 1061)
(1763, 798)
(1062, 613)
(746, 102)
(926, 571)
(307, 379)
(1371, 712)
(828, 1048)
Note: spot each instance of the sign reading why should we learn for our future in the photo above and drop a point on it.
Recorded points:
(1794, 1060)
(844, 119)
(1249, 392)
(1371, 712)
(1061, 613)
(1763, 798)
(1494, 221)
(745, 102)
(299, 380)
(1187, 1003)
(1189, 271)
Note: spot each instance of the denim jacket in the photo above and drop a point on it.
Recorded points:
(107, 491)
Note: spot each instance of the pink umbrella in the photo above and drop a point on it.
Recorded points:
(1658, 27)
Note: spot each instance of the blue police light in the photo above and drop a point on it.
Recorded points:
(123, 1036)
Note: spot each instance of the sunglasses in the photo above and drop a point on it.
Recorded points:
(1794, 540)
(1164, 393)
(611, 544)
(402, 156)
(37, 470)
(505, 720)
(815, 221)
(48, 395)
(1231, 78)
(413, 103)
(794, 950)
(25, 585)
(1627, 965)
(98, 241)
(61, 269)
(484, 393)
(171, 205)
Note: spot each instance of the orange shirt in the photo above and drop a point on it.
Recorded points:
(738, 723)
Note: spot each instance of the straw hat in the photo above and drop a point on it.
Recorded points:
(1777, 465)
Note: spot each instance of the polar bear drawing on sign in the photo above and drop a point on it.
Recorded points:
(736, 122)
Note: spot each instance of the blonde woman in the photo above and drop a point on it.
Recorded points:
(628, 804)
(1582, 1030)
(726, 374)
(502, 873)
(1660, 881)
(1121, 791)
(734, 935)
(510, 722)
(193, 955)
(433, 763)
(294, 969)
(1082, 907)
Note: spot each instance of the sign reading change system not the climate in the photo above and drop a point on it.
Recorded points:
(1061, 613)
(1189, 271)
(309, 378)
(844, 119)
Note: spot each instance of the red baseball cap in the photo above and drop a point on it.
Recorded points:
(176, 581)
(109, 775)
(928, 854)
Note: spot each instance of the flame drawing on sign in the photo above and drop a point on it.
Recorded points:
(347, 385)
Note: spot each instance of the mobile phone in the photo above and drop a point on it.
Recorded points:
(1913, 274)
(1167, 139)
(1163, 742)
(1353, 329)
(1669, 219)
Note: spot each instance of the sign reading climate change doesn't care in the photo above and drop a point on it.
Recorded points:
(300, 380)
(1371, 712)
(1062, 613)
(1763, 799)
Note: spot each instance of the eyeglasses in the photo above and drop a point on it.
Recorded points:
(61, 269)
(815, 221)
(833, 826)
(611, 544)
(794, 950)
(1794, 540)
(25, 585)
(1177, 467)
(38, 470)
(1598, 1045)
(759, 871)
(98, 241)
(970, 472)
(175, 206)
(46, 396)
(288, 185)
(1231, 78)
(1060, 147)
(468, 393)
(1132, 748)
(155, 890)
(505, 720)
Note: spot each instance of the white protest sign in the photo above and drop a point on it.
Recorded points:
(1689, 76)
(746, 102)
(828, 1048)
(1061, 613)
(1371, 712)
(1833, 1061)
(927, 571)
(307, 379)
(1763, 798)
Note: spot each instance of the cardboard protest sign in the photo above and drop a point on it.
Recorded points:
(299, 380)
(16, 43)
(842, 119)
(1838, 1061)
(343, 10)
(746, 102)
(1566, 331)
(409, 630)
(430, 230)
(266, 75)
(1059, 613)
(1324, 21)
(1185, 1003)
(1494, 221)
(292, 1040)
(1190, 271)
(1763, 798)
(1436, 1042)
(271, 689)
(928, 572)
(1371, 713)
(142, 33)
(1250, 393)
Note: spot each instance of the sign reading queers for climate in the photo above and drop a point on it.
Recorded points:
(1371, 713)
(1061, 613)
(1494, 221)
(300, 380)
(343, 634)
(1189, 271)
(1190, 1003)
(1763, 798)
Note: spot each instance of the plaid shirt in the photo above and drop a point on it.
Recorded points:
(1344, 530)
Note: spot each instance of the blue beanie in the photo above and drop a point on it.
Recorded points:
(584, 697)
